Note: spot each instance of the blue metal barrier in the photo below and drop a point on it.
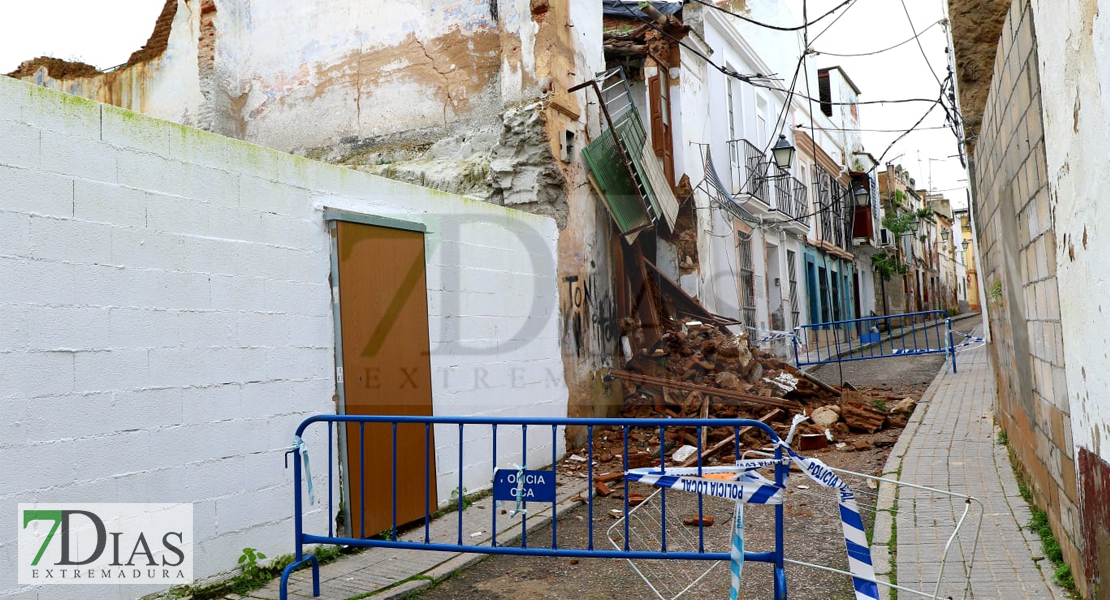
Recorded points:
(554, 549)
(831, 337)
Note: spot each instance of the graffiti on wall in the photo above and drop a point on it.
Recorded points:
(589, 315)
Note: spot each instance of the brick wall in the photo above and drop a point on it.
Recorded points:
(166, 319)
(1018, 249)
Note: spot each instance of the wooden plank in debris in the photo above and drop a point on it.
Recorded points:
(686, 302)
(728, 441)
(705, 389)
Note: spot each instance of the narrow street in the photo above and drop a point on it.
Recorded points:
(812, 534)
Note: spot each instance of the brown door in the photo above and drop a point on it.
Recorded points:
(384, 314)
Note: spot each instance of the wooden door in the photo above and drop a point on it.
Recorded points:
(384, 315)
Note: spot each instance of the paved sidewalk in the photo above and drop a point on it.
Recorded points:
(950, 444)
(385, 573)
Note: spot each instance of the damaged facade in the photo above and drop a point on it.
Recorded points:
(1031, 75)
(476, 99)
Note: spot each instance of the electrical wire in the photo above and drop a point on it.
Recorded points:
(769, 26)
(864, 130)
(830, 25)
(887, 49)
(754, 79)
(917, 38)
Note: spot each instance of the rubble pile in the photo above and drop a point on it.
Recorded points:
(706, 356)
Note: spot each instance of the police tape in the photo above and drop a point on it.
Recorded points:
(971, 343)
(749, 487)
(773, 335)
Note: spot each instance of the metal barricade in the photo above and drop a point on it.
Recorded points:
(925, 332)
(554, 427)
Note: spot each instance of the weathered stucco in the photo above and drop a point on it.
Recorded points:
(976, 26)
(1075, 68)
(1039, 168)
(467, 97)
(160, 79)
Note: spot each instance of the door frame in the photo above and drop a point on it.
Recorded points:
(332, 217)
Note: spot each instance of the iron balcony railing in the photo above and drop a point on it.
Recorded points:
(790, 196)
(751, 175)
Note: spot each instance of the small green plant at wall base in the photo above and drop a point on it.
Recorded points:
(1002, 438)
(252, 572)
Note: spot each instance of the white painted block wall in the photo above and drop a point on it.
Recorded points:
(166, 321)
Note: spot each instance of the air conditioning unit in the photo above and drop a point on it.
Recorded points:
(886, 238)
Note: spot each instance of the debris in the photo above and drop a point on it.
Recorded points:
(903, 406)
(477, 534)
(694, 521)
(860, 445)
(683, 453)
(861, 412)
(574, 561)
(785, 382)
(812, 441)
(729, 441)
(841, 446)
(609, 477)
(825, 416)
(635, 499)
(601, 489)
(616, 513)
(726, 394)
(577, 458)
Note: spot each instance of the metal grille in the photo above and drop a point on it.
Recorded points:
(755, 163)
(792, 271)
(747, 283)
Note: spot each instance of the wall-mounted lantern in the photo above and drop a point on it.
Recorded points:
(784, 153)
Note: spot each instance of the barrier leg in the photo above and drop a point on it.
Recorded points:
(951, 345)
(288, 570)
(781, 473)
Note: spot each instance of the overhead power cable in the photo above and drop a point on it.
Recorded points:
(755, 79)
(887, 49)
(917, 38)
(767, 25)
(864, 130)
(809, 45)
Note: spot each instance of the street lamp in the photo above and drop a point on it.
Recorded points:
(783, 152)
(863, 197)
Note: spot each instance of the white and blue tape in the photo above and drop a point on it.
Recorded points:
(752, 488)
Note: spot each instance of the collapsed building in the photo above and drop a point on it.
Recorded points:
(644, 131)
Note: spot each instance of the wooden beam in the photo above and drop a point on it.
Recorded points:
(715, 448)
(705, 389)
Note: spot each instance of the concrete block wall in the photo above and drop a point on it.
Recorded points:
(1018, 245)
(166, 319)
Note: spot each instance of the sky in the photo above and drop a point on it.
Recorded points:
(82, 30)
(869, 25)
(85, 31)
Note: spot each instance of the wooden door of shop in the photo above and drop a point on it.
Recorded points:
(387, 371)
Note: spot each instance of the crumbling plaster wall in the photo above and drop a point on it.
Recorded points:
(976, 26)
(164, 85)
(464, 97)
(1036, 340)
(1075, 70)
